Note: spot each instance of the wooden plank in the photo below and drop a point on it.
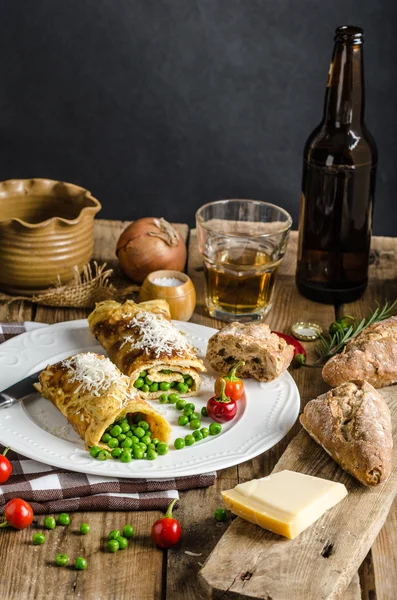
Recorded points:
(382, 286)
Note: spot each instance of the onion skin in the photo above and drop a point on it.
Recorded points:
(148, 245)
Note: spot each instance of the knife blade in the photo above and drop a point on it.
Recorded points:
(18, 390)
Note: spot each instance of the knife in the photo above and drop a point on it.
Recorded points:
(19, 390)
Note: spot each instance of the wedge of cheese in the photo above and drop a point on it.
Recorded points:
(285, 503)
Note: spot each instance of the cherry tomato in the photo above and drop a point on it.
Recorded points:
(299, 351)
(234, 385)
(18, 514)
(5, 467)
(221, 408)
(166, 532)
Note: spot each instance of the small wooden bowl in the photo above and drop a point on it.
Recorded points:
(181, 298)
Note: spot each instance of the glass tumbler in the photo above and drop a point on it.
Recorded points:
(242, 243)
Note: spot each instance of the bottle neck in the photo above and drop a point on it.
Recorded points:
(344, 98)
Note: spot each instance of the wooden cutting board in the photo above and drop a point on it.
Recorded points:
(249, 562)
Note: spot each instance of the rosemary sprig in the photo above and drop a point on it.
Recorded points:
(335, 343)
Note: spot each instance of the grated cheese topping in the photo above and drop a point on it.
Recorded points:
(156, 334)
(95, 374)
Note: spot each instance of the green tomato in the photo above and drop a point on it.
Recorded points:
(220, 514)
(215, 428)
(80, 563)
(103, 455)
(127, 443)
(197, 435)
(173, 398)
(49, 523)
(145, 388)
(138, 453)
(183, 420)
(125, 427)
(128, 532)
(139, 382)
(126, 456)
(182, 388)
(204, 412)
(105, 438)
(61, 560)
(84, 528)
(205, 431)
(114, 534)
(38, 539)
(165, 386)
(113, 443)
(112, 545)
(180, 405)
(123, 542)
(143, 374)
(94, 451)
(179, 443)
(151, 454)
(154, 387)
(117, 452)
(139, 432)
(162, 448)
(163, 398)
(63, 519)
(195, 424)
(189, 440)
(115, 431)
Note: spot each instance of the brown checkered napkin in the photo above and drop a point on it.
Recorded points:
(49, 489)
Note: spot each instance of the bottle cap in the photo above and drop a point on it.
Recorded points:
(305, 331)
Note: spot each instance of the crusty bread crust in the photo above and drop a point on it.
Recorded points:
(266, 355)
(352, 423)
(371, 356)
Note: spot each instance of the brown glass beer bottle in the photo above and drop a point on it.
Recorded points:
(338, 184)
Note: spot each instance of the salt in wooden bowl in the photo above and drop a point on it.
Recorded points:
(181, 298)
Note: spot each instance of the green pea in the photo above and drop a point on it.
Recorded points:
(165, 386)
(112, 545)
(123, 542)
(163, 398)
(84, 528)
(126, 456)
(139, 382)
(182, 388)
(61, 560)
(64, 519)
(166, 371)
(113, 443)
(128, 532)
(180, 404)
(174, 384)
(144, 424)
(195, 424)
(129, 433)
(155, 441)
(121, 437)
(103, 455)
(205, 431)
(204, 412)
(143, 374)
(194, 415)
(183, 420)
(185, 376)
(162, 448)
(134, 439)
(150, 447)
(220, 514)
(115, 431)
(189, 381)
(197, 435)
(151, 454)
(80, 563)
(187, 412)
(189, 440)
(142, 446)
(190, 406)
(146, 439)
(145, 388)
(116, 453)
(154, 387)
(173, 398)
(38, 539)
(49, 523)
(105, 438)
(179, 443)
(94, 451)
(138, 453)
(125, 427)
(148, 381)
(127, 443)
(215, 428)
(114, 534)
(139, 432)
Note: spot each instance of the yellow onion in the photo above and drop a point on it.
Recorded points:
(149, 245)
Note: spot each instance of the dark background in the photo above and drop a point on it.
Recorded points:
(158, 106)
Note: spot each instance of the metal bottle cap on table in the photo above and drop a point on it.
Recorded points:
(305, 331)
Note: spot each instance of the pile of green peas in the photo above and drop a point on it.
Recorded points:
(128, 440)
(61, 560)
(119, 541)
(144, 384)
(191, 418)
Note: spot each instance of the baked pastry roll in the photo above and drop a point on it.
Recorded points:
(266, 355)
(372, 356)
(141, 340)
(92, 394)
(352, 423)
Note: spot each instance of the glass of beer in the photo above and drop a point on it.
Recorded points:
(242, 243)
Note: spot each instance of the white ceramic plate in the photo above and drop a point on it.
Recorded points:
(35, 428)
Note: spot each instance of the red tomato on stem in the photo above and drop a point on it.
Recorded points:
(166, 532)
(234, 385)
(18, 514)
(221, 408)
(5, 467)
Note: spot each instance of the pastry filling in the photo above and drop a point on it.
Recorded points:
(181, 382)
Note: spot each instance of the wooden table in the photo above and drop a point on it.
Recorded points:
(143, 572)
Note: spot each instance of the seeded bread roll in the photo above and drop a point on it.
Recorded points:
(352, 423)
(266, 355)
(371, 356)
